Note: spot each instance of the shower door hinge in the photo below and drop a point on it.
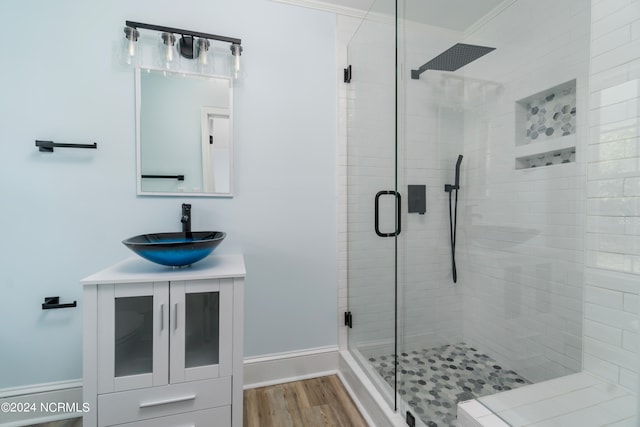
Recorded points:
(348, 319)
(411, 420)
(347, 74)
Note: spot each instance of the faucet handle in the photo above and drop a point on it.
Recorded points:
(186, 218)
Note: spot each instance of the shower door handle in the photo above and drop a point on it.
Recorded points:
(377, 213)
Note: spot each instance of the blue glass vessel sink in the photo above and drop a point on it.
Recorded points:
(177, 249)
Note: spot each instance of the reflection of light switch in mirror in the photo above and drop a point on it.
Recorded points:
(216, 150)
(211, 121)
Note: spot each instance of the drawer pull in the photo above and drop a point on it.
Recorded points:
(167, 401)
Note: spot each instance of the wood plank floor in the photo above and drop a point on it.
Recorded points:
(317, 402)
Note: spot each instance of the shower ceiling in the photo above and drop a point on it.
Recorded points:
(455, 15)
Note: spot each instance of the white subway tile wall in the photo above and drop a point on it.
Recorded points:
(522, 230)
(430, 139)
(612, 280)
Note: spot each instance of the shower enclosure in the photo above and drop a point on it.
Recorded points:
(505, 85)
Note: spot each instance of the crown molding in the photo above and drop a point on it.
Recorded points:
(327, 7)
(488, 17)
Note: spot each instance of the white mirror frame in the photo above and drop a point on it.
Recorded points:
(206, 111)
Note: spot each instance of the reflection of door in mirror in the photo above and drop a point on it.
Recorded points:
(184, 134)
(216, 150)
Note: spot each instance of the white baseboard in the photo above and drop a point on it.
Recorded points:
(39, 403)
(290, 366)
(258, 372)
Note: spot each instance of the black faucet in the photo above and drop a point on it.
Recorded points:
(186, 218)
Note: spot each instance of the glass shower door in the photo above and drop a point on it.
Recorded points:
(373, 202)
(512, 314)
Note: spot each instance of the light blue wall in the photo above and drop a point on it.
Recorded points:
(64, 214)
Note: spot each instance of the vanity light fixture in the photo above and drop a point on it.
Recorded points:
(191, 45)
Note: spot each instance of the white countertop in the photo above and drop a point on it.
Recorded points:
(136, 269)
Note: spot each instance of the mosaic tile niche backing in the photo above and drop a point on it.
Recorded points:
(548, 159)
(433, 380)
(549, 115)
(546, 127)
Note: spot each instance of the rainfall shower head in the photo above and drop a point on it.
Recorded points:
(453, 58)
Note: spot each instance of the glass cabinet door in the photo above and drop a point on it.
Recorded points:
(133, 336)
(200, 330)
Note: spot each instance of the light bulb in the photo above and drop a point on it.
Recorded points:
(129, 49)
(168, 41)
(205, 64)
(236, 51)
(203, 48)
(169, 53)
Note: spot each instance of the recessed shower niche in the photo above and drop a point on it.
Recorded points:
(546, 127)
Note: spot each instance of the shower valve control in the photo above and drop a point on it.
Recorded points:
(417, 199)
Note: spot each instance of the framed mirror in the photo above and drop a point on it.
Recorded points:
(184, 134)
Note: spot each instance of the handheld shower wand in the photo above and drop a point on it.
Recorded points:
(458, 171)
(453, 217)
(449, 187)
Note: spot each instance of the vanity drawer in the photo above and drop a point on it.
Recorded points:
(216, 417)
(136, 405)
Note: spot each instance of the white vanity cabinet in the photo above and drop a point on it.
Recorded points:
(163, 346)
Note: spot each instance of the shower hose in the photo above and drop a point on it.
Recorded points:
(453, 219)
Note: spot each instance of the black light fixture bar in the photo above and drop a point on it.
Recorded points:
(183, 32)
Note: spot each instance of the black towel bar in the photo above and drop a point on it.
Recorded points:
(178, 177)
(48, 146)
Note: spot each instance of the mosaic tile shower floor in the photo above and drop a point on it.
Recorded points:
(434, 380)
